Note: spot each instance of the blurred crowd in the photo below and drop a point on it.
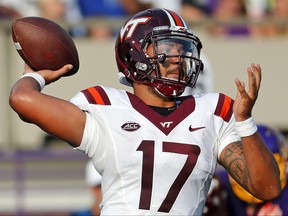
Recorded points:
(250, 18)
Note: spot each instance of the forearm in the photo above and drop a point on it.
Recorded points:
(253, 166)
(262, 168)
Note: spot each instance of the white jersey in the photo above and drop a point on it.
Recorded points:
(151, 164)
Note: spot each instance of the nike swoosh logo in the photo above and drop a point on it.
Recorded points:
(191, 129)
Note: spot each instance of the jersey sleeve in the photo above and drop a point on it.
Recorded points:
(228, 135)
(89, 144)
(224, 111)
(80, 100)
(90, 137)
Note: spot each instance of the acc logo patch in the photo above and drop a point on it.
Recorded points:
(130, 126)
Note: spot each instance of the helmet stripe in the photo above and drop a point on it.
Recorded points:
(177, 20)
(172, 22)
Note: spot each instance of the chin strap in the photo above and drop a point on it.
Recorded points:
(168, 91)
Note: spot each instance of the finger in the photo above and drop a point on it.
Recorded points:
(252, 81)
(58, 73)
(237, 82)
(52, 76)
(258, 67)
(257, 74)
(241, 88)
(255, 86)
(62, 71)
(240, 85)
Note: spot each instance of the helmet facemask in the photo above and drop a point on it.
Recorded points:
(177, 50)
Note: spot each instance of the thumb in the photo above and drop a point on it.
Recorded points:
(52, 76)
(65, 69)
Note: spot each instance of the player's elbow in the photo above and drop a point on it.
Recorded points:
(16, 99)
(269, 192)
(275, 193)
(20, 103)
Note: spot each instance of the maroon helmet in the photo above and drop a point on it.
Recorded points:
(158, 27)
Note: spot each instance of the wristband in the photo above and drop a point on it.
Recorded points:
(37, 77)
(246, 128)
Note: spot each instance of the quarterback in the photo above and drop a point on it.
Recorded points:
(155, 150)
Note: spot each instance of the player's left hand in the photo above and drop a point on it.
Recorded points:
(246, 99)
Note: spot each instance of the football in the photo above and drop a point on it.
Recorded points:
(43, 44)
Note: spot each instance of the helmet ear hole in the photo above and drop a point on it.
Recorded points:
(128, 58)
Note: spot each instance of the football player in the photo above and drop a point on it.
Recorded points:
(156, 151)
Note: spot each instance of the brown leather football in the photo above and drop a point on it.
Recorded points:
(43, 44)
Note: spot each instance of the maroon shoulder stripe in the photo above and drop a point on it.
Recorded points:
(96, 95)
(224, 108)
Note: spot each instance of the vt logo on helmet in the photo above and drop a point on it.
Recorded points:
(154, 41)
(130, 27)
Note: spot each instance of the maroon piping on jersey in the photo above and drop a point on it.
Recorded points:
(164, 123)
(224, 108)
(96, 95)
